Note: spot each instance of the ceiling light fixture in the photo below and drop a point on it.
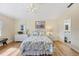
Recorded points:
(70, 5)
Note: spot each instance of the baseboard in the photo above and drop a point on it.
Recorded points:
(71, 46)
(76, 50)
(9, 41)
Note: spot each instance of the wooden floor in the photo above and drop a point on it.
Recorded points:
(61, 49)
(12, 49)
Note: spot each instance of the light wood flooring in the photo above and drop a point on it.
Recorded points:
(61, 49)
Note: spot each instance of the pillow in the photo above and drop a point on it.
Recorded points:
(35, 33)
(41, 33)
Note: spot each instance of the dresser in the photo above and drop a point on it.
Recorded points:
(20, 37)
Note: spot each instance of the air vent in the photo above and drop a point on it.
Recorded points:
(70, 5)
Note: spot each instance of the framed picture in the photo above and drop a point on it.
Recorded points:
(22, 27)
(40, 24)
(66, 27)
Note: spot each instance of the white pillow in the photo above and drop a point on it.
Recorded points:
(41, 33)
(35, 33)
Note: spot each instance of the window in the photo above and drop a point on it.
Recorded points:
(0, 28)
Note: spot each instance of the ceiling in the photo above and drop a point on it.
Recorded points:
(41, 11)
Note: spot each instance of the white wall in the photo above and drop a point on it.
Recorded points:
(75, 29)
(72, 13)
(30, 24)
(7, 27)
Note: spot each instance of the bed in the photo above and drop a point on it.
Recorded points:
(37, 45)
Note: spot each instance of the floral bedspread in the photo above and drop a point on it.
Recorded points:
(36, 45)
